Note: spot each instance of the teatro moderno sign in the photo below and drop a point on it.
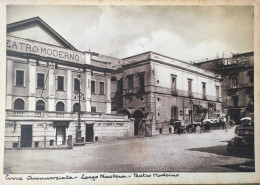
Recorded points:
(45, 50)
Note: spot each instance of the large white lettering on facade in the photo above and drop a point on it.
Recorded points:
(42, 50)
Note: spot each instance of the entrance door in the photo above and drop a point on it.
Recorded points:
(60, 135)
(26, 135)
(136, 125)
(89, 133)
(139, 129)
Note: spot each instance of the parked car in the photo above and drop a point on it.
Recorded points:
(211, 122)
(247, 122)
(177, 125)
(243, 141)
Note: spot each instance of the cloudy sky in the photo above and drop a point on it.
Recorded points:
(188, 33)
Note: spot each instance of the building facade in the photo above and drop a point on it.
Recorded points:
(52, 87)
(154, 89)
(237, 85)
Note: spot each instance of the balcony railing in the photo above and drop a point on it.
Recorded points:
(69, 116)
(174, 92)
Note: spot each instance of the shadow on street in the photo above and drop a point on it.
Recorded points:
(222, 150)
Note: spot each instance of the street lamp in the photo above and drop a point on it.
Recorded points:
(79, 139)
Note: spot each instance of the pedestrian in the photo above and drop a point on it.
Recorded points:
(179, 130)
(201, 128)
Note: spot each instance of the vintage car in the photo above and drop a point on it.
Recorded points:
(243, 141)
(212, 122)
(177, 124)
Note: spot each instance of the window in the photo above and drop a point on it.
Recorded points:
(101, 88)
(18, 104)
(251, 76)
(120, 86)
(76, 107)
(190, 87)
(60, 83)
(19, 78)
(40, 80)
(233, 81)
(113, 79)
(173, 86)
(130, 82)
(93, 109)
(93, 87)
(40, 105)
(60, 106)
(174, 112)
(204, 90)
(217, 91)
(76, 84)
(141, 82)
(234, 100)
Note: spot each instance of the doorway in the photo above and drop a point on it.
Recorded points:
(60, 135)
(89, 133)
(26, 135)
(138, 129)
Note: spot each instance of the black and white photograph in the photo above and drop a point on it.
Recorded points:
(141, 90)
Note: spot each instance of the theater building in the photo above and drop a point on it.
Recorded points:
(153, 89)
(48, 83)
(237, 85)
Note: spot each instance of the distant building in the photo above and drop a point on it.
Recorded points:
(154, 89)
(46, 77)
(237, 85)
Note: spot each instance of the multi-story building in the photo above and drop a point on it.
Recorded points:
(237, 85)
(154, 89)
(53, 90)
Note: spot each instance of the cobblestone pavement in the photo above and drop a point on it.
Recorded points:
(199, 152)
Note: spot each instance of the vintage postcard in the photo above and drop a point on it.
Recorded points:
(129, 92)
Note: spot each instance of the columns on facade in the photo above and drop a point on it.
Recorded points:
(32, 85)
(108, 93)
(88, 90)
(69, 90)
(52, 88)
(9, 84)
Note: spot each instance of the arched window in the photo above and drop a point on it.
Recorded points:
(19, 104)
(40, 105)
(60, 106)
(76, 107)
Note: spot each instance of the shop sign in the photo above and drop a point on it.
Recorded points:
(212, 107)
(45, 50)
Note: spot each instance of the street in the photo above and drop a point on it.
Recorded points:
(197, 152)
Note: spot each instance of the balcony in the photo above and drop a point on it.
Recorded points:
(190, 94)
(174, 92)
(60, 116)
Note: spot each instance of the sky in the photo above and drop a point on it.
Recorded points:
(189, 33)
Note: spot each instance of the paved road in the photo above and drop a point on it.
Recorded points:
(200, 152)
